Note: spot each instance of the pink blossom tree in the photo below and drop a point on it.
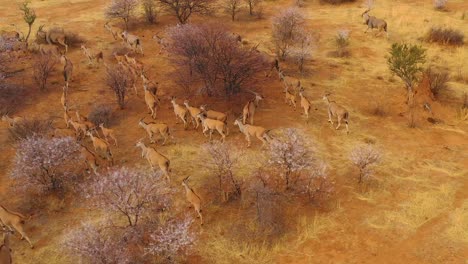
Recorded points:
(365, 157)
(130, 193)
(46, 165)
(95, 243)
(287, 26)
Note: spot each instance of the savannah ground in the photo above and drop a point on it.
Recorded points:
(415, 209)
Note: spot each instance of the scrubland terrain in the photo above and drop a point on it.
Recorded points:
(413, 210)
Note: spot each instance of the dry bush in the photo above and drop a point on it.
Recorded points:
(130, 193)
(74, 39)
(438, 80)
(445, 36)
(44, 166)
(342, 43)
(287, 28)
(336, 2)
(101, 114)
(221, 160)
(151, 10)
(211, 53)
(232, 7)
(183, 9)
(252, 5)
(121, 9)
(119, 80)
(97, 244)
(11, 97)
(364, 157)
(29, 128)
(302, 51)
(379, 109)
(43, 65)
(440, 4)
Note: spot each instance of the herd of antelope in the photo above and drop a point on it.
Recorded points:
(209, 120)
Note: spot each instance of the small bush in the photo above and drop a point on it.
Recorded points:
(440, 4)
(342, 43)
(11, 97)
(437, 80)
(151, 10)
(336, 2)
(101, 114)
(29, 128)
(364, 157)
(445, 36)
(43, 66)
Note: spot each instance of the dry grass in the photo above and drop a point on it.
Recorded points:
(458, 224)
(445, 36)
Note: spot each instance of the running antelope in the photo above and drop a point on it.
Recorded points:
(67, 69)
(214, 114)
(80, 128)
(12, 121)
(108, 133)
(253, 131)
(5, 250)
(179, 111)
(161, 42)
(335, 110)
(305, 104)
(155, 158)
(100, 145)
(211, 125)
(14, 221)
(66, 117)
(150, 85)
(288, 81)
(154, 128)
(92, 57)
(133, 41)
(115, 31)
(194, 112)
(193, 198)
(151, 101)
(89, 159)
(249, 109)
(64, 97)
(373, 22)
(289, 98)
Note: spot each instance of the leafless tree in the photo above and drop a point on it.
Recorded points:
(302, 50)
(151, 10)
(221, 161)
(121, 9)
(97, 244)
(252, 4)
(183, 9)
(129, 192)
(287, 26)
(119, 80)
(232, 7)
(211, 53)
(364, 157)
(44, 165)
(43, 66)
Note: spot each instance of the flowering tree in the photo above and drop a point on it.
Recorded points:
(45, 165)
(129, 192)
(290, 155)
(122, 9)
(364, 157)
(222, 159)
(174, 238)
(211, 53)
(94, 243)
(287, 26)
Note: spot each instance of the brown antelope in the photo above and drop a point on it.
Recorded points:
(48, 49)
(305, 104)
(274, 64)
(249, 109)
(79, 117)
(253, 131)
(155, 158)
(193, 198)
(288, 81)
(334, 110)
(115, 31)
(194, 112)
(133, 41)
(66, 117)
(289, 98)
(64, 98)
(373, 22)
(214, 114)
(154, 128)
(89, 159)
(91, 56)
(12, 121)
(108, 133)
(14, 221)
(161, 42)
(180, 112)
(53, 36)
(5, 250)
(80, 128)
(100, 145)
(150, 85)
(119, 58)
(67, 69)
(211, 125)
(151, 101)
(130, 60)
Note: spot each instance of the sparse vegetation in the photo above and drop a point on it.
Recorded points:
(29, 128)
(287, 29)
(151, 10)
(253, 4)
(445, 36)
(101, 114)
(365, 157)
(342, 43)
(437, 80)
(440, 4)
(232, 7)
(29, 16)
(119, 80)
(122, 9)
(183, 9)
(43, 67)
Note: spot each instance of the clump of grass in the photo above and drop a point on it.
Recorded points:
(342, 43)
(445, 36)
(438, 80)
(440, 4)
(458, 228)
(101, 114)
